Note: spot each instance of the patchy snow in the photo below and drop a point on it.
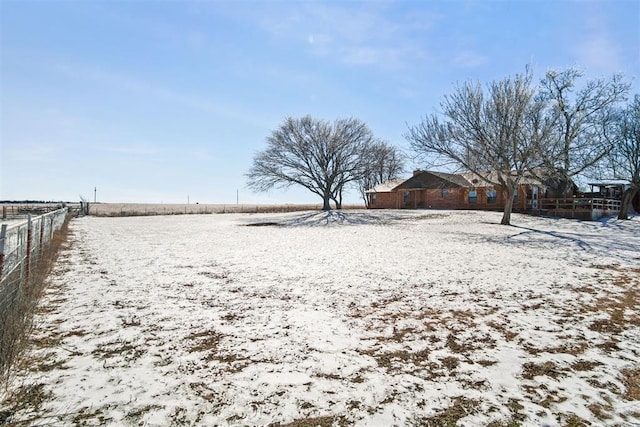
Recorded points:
(368, 318)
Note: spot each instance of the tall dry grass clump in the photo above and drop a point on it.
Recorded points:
(19, 297)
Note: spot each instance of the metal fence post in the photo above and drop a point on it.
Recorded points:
(3, 235)
(41, 242)
(28, 258)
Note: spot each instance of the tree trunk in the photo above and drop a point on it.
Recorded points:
(508, 207)
(366, 201)
(339, 201)
(326, 202)
(627, 197)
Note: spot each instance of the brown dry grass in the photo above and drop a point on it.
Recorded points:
(17, 324)
(631, 380)
(550, 369)
(585, 365)
(20, 305)
(503, 329)
(121, 349)
(205, 340)
(86, 415)
(135, 415)
(453, 332)
(601, 411)
(462, 407)
(208, 342)
(622, 309)
(398, 360)
(140, 209)
(27, 397)
(327, 421)
(572, 348)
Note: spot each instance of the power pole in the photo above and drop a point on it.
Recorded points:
(95, 194)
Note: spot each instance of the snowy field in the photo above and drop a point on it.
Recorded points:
(367, 318)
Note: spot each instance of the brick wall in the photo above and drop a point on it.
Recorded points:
(384, 201)
(454, 198)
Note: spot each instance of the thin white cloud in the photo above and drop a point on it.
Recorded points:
(470, 59)
(599, 54)
(363, 56)
(132, 84)
(28, 152)
(389, 57)
(320, 44)
(142, 150)
(358, 36)
(595, 50)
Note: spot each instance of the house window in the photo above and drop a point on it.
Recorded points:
(492, 196)
(515, 195)
(444, 193)
(374, 198)
(407, 196)
(473, 196)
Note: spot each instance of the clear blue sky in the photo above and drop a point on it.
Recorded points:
(154, 101)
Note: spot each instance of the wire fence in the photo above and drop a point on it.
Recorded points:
(22, 242)
(25, 256)
(19, 211)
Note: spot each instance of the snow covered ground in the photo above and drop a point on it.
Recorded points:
(362, 318)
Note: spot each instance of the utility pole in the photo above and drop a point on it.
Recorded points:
(95, 194)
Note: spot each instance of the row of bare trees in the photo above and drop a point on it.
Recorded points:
(554, 131)
(623, 163)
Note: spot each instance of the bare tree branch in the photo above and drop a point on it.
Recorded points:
(320, 156)
(624, 159)
(579, 142)
(384, 162)
(497, 134)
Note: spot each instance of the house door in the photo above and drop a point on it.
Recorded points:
(534, 197)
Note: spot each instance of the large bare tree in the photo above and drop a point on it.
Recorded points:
(320, 156)
(581, 114)
(498, 134)
(384, 162)
(624, 159)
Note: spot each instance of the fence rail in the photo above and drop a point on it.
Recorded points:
(582, 208)
(21, 244)
(580, 204)
(27, 250)
(14, 211)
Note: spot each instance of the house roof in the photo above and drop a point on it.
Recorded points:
(437, 180)
(493, 177)
(387, 186)
(610, 183)
(434, 180)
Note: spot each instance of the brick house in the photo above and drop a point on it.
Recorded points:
(439, 190)
(382, 195)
